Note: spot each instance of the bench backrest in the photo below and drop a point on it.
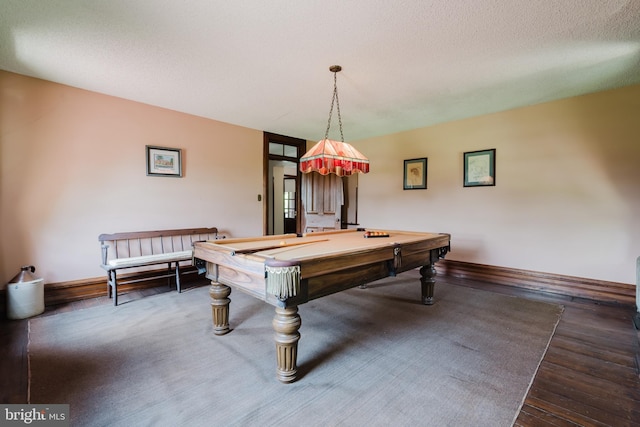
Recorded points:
(141, 243)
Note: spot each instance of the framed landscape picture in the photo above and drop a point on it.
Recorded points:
(163, 161)
(480, 168)
(415, 174)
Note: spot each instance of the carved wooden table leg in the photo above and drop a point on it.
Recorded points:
(220, 307)
(286, 324)
(428, 281)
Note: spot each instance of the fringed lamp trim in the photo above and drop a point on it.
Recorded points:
(283, 282)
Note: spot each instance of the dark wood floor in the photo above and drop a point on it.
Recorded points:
(588, 377)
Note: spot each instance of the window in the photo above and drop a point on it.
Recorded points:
(283, 150)
(289, 204)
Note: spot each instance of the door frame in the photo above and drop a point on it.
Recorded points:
(301, 146)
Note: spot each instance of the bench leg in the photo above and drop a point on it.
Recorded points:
(178, 277)
(169, 271)
(113, 283)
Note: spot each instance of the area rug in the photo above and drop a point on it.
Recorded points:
(367, 357)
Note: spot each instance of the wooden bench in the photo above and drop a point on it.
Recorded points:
(139, 251)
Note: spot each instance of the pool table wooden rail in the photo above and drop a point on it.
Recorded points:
(245, 272)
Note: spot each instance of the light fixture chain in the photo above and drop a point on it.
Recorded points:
(335, 85)
(334, 100)
(326, 134)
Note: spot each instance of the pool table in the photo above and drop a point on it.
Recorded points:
(288, 270)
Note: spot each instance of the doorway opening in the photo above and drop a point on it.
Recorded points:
(281, 183)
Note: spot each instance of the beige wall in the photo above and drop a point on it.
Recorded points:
(72, 166)
(567, 194)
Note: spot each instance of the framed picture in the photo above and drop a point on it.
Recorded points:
(415, 174)
(480, 168)
(163, 161)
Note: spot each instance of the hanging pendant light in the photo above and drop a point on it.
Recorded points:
(329, 156)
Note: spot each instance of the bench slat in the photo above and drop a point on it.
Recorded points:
(157, 233)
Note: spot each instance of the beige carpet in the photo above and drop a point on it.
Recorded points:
(367, 357)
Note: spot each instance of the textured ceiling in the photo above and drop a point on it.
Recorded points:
(265, 64)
